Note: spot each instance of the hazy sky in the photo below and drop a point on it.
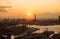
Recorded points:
(27, 8)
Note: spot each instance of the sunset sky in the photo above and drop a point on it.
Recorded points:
(27, 8)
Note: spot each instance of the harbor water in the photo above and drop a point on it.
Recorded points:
(55, 28)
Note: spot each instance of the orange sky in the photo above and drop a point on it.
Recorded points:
(27, 8)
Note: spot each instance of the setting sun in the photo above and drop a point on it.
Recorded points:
(27, 8)
(29, 14)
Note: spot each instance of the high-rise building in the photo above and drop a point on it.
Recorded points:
(34, 18)
(59, 18)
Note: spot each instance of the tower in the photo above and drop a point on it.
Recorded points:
(35, 17)
(59, 17)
